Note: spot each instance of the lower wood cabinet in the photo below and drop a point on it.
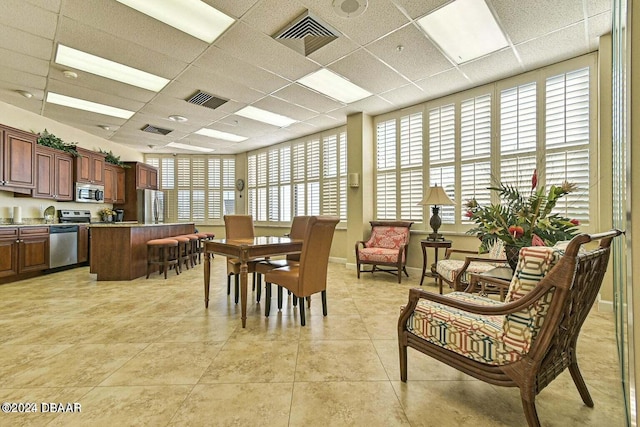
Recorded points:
(23, 250)
(83, 243)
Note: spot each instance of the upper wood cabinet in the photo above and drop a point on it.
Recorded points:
(17, 159)
(54, 174)
(89, 167)
(114, 184)
(146, 176)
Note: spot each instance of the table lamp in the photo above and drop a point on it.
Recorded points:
(436, 197)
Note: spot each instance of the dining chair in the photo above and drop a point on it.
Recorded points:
(309, 276)
(238, 227)
(298, 229)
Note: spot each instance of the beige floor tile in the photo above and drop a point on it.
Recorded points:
(334, 327)
(339, 361)
(200, 329)
(255, 362)
(346, 403)
(236, 405)
(126, 406)
(166, 364)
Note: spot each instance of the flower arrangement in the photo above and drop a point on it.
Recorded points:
(522, 221)
(105, 213)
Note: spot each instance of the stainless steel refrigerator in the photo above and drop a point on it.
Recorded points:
(150, 206)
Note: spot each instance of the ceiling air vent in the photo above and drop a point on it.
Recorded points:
(206, 100)
(306, 34)
(156, 130)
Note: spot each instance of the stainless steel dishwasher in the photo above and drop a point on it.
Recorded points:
(63, 245)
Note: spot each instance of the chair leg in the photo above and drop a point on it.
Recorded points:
(267, 305)
(295, 300)
(530, 412)
(580, 384)
(403, 362)
(358, 266)
(404, 268)
(324, 302)
(399, 274)
(228, 284)
(237, 289)
(259, 288)
(279, 297)
(302, 319)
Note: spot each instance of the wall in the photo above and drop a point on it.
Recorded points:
(31, 122)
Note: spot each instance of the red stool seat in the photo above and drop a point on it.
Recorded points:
(164, 253)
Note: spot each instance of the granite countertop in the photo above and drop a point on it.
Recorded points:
(131, 224)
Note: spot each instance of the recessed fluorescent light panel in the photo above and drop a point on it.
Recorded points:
(464, 30)
(265, 116)
(334, 86)
(220, 135)
(193, 17)
(112, 70)
(94, 107)
(189, 147)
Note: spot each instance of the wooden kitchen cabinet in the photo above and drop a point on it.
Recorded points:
(33, 249)
(17, 160)
(89, 167)
(114, 184)
(146, 176)
(83, 243)
(8, 251)
(54, 174)
(23, 250)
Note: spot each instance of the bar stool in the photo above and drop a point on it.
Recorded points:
(194, 247)
(162, 252)
(202, 237)
(184, 251)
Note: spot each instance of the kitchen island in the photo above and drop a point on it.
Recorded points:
(118, 251)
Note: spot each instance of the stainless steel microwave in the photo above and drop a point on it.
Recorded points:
(89, 193)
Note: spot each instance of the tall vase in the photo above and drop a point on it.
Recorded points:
(512, 252)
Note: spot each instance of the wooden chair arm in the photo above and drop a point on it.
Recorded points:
(457, 284)
(489, 310)
(450, 251)
(493, 281)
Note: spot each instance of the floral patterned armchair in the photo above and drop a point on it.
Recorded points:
(387, 246)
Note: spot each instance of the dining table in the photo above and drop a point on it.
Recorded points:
(245, 250)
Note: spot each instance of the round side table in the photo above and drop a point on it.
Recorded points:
(436, 245)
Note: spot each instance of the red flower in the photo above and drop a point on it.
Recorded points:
(534, 179)
(574, 221)
(468, 214)
(516, 231)
(537, 241)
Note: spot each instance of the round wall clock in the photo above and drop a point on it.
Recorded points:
(240, 184)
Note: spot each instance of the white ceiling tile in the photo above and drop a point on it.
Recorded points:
(278, 106)
(23, 80)
(405, 96)
(22, 42)
(598, 25)
(50, 5)
(70, 89)
(271, 16)
(202, 79)
(27, 17)
(224, 64)
(307, 98)
(264, 52)
(554, 47)
(11, 97)
(234, 8)
(444, 83)
(18, 61)
(324, 121)
(530, 19)
(366, 71)
(417, 9)
(125, 23)
(418, 58)
(492, 67)
(596, 7)
(333, 51)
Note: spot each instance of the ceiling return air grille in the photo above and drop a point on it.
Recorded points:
(206, 100)
(306, 34)
(156, 130)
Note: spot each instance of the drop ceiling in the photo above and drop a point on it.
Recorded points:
(383, 50)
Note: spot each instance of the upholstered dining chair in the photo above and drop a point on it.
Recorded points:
(309, 276)
(524, 342)
(238, 227)
(387, 246)
(298, 230)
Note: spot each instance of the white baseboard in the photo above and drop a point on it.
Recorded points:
(604, 306)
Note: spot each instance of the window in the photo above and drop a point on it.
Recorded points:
(399, 172)
(442, 128)
(196, 188)
(303, 177)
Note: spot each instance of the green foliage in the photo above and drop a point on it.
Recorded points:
(521, 220)
(113, 159)
(50, 140)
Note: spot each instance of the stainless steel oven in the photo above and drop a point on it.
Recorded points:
(89, 193)
(63, 249)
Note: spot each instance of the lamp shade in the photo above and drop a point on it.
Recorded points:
(436, 196)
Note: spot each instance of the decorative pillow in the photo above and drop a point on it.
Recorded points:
(388, 237)
(497, 250)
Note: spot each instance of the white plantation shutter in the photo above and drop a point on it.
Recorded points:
(228, 185)
(569, 166)
(342, 191)
(273, 163)
(386, 173)
(285, 183)
(298, 168)
(184, 205)
(518, 171)
(168, 174)
(475, 151)
(442, 126)
(518, 119)
(153, 161)
(214, 174)
(252, 182)
(261, 195)
(567, 109)
(330, 175)
(184, 188)
(411, 167)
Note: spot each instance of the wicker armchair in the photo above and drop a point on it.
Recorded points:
(387, 246)
(455, 272)
(525, 342)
